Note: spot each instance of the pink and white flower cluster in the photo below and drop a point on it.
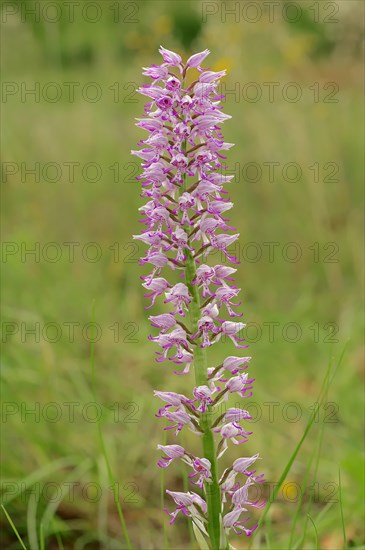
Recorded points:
(183, 182)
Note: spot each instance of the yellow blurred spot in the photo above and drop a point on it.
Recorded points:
(290, 489)
(162, 25)
(223, 63)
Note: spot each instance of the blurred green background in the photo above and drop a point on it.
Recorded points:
(76, 132)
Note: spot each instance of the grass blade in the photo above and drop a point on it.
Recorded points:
(49, 513)
(341, 509)
(14, 528)
(41, 537)
(325, 385)
(101, 437)
(36, 476)
(315, 455)
(315, 530)
(32, 521)
(59, 540)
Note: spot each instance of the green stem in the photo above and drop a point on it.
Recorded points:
(200, 366)
(212, 489)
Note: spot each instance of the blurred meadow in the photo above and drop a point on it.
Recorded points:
(298, 185)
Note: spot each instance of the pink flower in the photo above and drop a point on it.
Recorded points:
(169, 57)
(165, 321)
(235, 415)
(196, 59)
(233, 363)
(231, 521)
(211, 76)
(175, 339)
(185, 358)
(178, 419)
(190, 504)
(204, 395)
(158, 287)
(240, 496)
(184, 218)
(242, 464)
(155, 72)
(240, 384)
(172, 452)
(234, 432)
(204, 277)
(231, 329)
(179, 297)
(202, 470)
(172, 398)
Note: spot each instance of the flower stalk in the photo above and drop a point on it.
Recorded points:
(183, 180)
(200, 363)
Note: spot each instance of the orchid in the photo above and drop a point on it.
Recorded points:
(183, 182)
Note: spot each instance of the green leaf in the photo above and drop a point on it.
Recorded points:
(203, 545)
(14, 528)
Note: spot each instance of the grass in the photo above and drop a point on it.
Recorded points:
(293, 456)
(103, 448)
(14, 528)
(53, 469)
